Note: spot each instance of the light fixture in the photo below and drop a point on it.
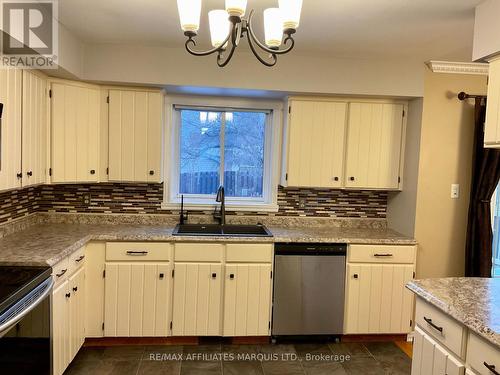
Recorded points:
(228, 27)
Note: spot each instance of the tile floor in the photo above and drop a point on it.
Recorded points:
(293, 359)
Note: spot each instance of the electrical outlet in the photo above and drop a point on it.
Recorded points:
(86, 199)
(302, 204)
(455, 191)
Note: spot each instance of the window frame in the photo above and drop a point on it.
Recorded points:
(272, 152)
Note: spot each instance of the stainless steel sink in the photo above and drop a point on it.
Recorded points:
(228, 230)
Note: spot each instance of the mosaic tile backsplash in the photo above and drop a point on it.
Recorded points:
(137, 198)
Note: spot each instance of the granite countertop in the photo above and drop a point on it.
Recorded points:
(50, 243)
(474, 302)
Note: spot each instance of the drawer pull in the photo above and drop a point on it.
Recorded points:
(231, 276)
(62, 273)
(67, 295)
(383, 255)
(82, 257)
(214, 275)
(429, 321)
(75, 289)
(492, 368)
(137, 253)
(355, 276)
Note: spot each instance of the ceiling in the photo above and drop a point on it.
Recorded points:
(423, 29)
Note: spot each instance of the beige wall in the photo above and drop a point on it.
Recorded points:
(445, 158)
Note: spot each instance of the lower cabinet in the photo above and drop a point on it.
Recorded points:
(68, 323)
(197, 299)
(247, 300)
(136, 299)
(430, 358)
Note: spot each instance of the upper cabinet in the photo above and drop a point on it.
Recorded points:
(492, 125)
(75, 127)
(316, 132)
(10, 128)
(34, 128)
(135, 135)
(374, 146)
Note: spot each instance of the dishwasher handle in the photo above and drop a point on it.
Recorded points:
(311, 249)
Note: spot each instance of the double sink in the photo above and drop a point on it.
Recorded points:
(226, 230)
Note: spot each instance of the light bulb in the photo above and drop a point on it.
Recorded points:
(219, 26)
(189, 14)
(273, 27)
(236, 7)
(290, 10)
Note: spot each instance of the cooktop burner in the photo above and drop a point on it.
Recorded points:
(17, 281)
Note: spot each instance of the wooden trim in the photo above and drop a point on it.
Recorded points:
(373, 338)
(124, 341)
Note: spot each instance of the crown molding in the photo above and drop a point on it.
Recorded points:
(458, 67)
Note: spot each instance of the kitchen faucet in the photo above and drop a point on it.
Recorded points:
(221, 216)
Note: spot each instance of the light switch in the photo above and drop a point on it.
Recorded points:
(455, 191)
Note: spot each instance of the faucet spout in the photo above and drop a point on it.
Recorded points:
(221, 217)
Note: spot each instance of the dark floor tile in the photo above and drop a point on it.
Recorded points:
(365, 366)
(89, 354)
(383, 348)
(106, 367)
(392, 359)
(162, 352)
(303, 350)
(159, 368)
(323, 368)
(212, 348)
(242, 367)
(352, 349)
(123, 353)
(241, 349)
(201, 368)
(282, 367)
(277, 349)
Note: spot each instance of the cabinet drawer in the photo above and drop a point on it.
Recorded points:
(481, 354)
(60, 271)
(445, 329)
(259, 253)
(137, 251)
(76, 260)
(198, 252)
(381, 254)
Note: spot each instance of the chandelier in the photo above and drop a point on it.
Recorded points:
(228, 27)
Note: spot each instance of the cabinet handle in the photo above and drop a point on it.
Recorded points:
(214, 275)
(19, 176)
(335, 178)
(137, 253)
(29, 174)
(355, 276)
(429, 321)
(92, 171)
(62, 273)
(75, 289)
(492, 368)
(80, 259)
(383, 255)
(162, 276)
(231, 276)
(151, 173)
(68, 295)
(351, 178)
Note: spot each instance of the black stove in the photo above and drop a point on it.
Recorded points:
(18, 281)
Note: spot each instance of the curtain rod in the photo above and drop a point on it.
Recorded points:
(464, 96)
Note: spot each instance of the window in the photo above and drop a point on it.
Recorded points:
(223, 146)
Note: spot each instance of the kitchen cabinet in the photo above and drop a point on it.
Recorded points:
(377, 301)
(197, 299)
(135, 135)
(75, 129)
(10, 129)
(247, 299)
(316, 141)
(76, 288)
(375, 138)
(34, 128)
(60, 328)
(430, 358)
(492, 122)
(95, 258)
(481, 355)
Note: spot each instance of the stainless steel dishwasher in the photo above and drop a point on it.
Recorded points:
(309, 289)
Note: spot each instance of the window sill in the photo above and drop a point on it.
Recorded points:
(264, 207)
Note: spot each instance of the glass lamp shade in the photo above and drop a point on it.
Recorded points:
(273, 27)
(290, 10)
(189, 14)
(236, 7)
(219, 26)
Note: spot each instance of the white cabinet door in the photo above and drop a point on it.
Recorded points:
(377, 300)
(197, 299)
(492, 123)
(60, 328)
(247, 299)
(76, 289)
(10, 130)
(135, 135)
(136, 299)
(95, 254)
(430, 358)
(34, 125)
(374, 145)
(75, 125)
(316, 143)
